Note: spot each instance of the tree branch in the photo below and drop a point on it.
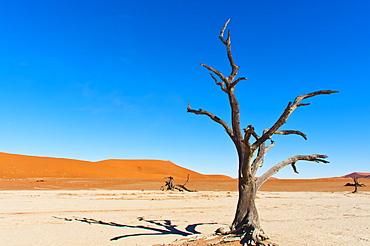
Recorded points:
(233, 84)
(258, 161)
(285, 115)
(227, 84)
(229, 81)
(213, 117)
(289, 161)
(221, 84)
(294, 168)
(227, 43)
(219, 74)
(221, 37)
(248, 132)
(288, 132)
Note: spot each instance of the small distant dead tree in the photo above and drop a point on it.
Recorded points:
(170, 186)
(355, 183)
(251, 149)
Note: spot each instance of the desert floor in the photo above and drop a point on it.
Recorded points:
(311, 185)
(46, 214)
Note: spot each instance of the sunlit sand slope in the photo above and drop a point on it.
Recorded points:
(21, 166)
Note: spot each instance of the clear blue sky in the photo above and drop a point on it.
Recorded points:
(96, 80)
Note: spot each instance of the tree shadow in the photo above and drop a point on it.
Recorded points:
(165, 227)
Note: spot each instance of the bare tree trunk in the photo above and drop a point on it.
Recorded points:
(356, 189)
(249, 226)
(356, 184)
(246, 221)
(246, 209)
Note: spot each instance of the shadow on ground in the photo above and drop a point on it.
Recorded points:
(156, 227)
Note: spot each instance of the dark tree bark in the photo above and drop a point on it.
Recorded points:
(251, 148)
(170, 186)
(355, 183)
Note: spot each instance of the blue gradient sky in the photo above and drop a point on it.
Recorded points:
(96, 80)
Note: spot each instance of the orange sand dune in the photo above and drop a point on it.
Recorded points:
(13, 166)
(358, 175)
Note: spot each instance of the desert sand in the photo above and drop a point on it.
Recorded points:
(51, 201)
(274, 185)
(101, 217)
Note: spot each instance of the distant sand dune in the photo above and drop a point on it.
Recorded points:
(20, 172)
(21, 166)
(357, 175)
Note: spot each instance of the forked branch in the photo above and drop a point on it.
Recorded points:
(289, 161)
(218, 73)
(227, 43)
(230, 81)
(233, 84)
(221, 84)
(285, 115)
(221, 37)
(248, 132)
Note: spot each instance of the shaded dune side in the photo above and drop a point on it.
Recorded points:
(21, 166)
(358, 175)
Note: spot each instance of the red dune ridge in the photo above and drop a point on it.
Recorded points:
(357, 175)
(22, 166)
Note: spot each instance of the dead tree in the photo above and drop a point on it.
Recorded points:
(355, 183)
(170, 186)
(251, 148)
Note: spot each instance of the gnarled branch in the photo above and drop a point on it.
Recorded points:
(288, 132)
(289, 161)
(234, 83)
(214, 118)
(228, 82)
(227, 85)
(227, 43)
(218, 73)
(294, 168)
(248, 132)
(221, 84)
(221, 37)
(258, 161)
(285, 115)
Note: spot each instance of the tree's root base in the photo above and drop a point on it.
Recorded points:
(255, 237)
(215, 240)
